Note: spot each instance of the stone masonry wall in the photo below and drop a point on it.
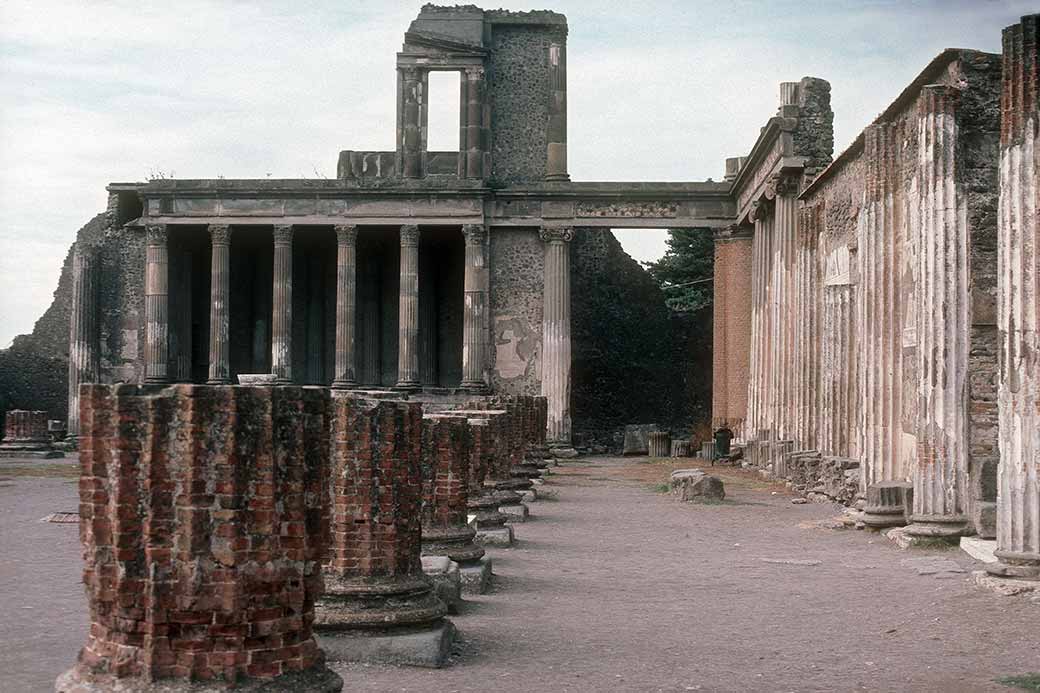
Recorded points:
(517, 263)
(519, 89)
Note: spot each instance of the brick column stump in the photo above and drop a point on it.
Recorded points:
(484, 515)
(201, 520)
(378, 604)
(446, 484)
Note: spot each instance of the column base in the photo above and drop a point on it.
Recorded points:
(887, 502)
(344, 385)
(454, 542)
(475, 388)
(1013, 565)
(408, 386)
(155, 380)
(219, 381)
(1008, 587)
(419, 647)
(935, 529)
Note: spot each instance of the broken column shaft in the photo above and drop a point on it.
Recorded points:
(375, 588)
(201, 521)
(84, 359)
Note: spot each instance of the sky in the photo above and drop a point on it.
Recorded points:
(97, 92)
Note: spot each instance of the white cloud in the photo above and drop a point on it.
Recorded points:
(97, 92)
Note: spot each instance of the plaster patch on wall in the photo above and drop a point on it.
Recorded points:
(516, 346)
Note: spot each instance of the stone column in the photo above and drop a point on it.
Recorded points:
(410, 134)
(472, 147)
(281, 318)
(475, 307)
(944, 324)
(556, 159)
(84, 361)
(180, 319)
(556, 334)
(219, 304)
(408, 315)
(346, 307)
(1018, 301)
(731, 326)
(879, 309)
(157, 305)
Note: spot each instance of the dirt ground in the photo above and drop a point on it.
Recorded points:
(613, 586)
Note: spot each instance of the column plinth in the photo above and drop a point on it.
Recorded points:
(556, 334)
(219, 300)
(281, 318)
(346, 307)
(157, 305)
(408, 311)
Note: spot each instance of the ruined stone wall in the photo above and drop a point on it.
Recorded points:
(634, 361)
(517, 264)
(34, 371)
(520, 90)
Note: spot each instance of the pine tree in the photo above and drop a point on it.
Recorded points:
(689, 258)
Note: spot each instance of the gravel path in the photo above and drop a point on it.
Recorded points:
(615, 587)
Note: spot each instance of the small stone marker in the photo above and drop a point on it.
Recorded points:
(636, 439)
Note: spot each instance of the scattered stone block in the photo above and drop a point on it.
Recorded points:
(498, 536)
(256, 379)
(792, 561)
(516, 512)
(447, 580)
(429, 647)
(932, 565)
(694, 484)
(980, 549)
(637, 439)
(476, 579)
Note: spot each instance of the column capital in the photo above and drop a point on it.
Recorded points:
(559, 234)
(733, 232)
(475, 234)
(474, 72)
(157, 234)
(409, 235)
(938, 98)
(760, 210)
(346, 234)
(783, 185)
(283, 234)
(220, 234)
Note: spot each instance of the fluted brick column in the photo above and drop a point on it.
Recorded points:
(408, 320)
(1018, 301)
(281, 319)
(201, 512)
(346, 307)
(556, 334)
(944, 323)
(731, 326)
(475, 309)
(157, 305)
(410, 126)
(84, 359)
(219, 304)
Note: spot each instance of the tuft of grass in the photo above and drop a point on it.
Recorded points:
(661, 488)
(1026, 682)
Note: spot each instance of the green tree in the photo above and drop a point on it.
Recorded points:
(688, 261)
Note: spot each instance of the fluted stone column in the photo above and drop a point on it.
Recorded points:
(157, 305)
(84, 362)
(475, 309)
(281, 318)
(786, 234)
(1018, 301)
(408, 320)
(556, 334)
(219, 300)
(556, 135)
(944, 323)
(346, 307)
